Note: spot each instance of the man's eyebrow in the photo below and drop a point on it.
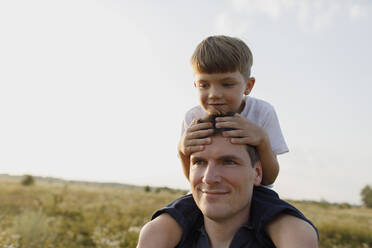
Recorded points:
(229, 157)
(194, 158)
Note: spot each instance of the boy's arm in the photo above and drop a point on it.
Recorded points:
(161, 232)
(246, 132)
(185, 161)
(269, 162)
(291, 232)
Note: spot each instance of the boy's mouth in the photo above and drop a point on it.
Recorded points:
(218, 108)
(216, 104)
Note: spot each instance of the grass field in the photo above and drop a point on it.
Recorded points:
(61, 214)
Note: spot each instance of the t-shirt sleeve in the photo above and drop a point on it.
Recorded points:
(184, 126)
(193, 114)
(272, 127)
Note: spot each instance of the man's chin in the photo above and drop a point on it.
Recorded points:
(215, 215)
(215, 211)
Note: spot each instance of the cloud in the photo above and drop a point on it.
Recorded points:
(359, 11)
(308, 15)
(272, 8)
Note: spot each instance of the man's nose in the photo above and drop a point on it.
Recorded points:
(211, 174)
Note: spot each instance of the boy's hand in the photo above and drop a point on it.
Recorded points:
(193, 140)
(195, 137)
(246, 132)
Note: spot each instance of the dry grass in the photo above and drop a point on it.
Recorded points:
(340, 225)
(55, 214)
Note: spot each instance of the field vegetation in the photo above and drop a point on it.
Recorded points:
(66, 214)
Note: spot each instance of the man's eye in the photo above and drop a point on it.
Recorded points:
(199, 162)
(229, 162)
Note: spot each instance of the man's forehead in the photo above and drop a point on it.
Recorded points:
(221, 146)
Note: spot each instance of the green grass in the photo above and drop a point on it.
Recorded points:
(58, 214)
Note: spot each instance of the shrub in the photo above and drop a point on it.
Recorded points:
(27, 180)
(367, 196)
(147, 188)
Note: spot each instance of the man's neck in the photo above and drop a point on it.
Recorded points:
(221, 233)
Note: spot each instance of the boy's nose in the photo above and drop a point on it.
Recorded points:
(215, 93)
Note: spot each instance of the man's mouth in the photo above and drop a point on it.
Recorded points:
(214, 192)
(216, 104)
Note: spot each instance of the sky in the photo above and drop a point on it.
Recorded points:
(97, 90)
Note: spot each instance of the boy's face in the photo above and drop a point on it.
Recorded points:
(220, 93)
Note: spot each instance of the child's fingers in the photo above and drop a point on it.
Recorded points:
(199, 134)
(228, 124)
(192, 149)
(244, 140)
(236, 119)
(234, 133)
(228, 118)
(196, 142)
(199, 126)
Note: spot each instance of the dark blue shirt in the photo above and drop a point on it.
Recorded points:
(265, 206)
(244, 237)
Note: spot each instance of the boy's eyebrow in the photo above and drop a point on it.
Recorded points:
(201, 80)
(220, 80)
(227, 78)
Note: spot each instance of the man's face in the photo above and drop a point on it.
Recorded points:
(222, 179)
(222, 92)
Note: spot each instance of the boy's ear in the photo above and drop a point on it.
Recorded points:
(249, 85)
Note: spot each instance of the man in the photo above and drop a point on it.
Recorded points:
(223, 177)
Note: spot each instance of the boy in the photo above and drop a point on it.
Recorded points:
(222, 68)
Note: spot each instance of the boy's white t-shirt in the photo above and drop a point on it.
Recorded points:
(259, 112)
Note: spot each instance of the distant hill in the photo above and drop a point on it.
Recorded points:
(54, 179)
(103, 184)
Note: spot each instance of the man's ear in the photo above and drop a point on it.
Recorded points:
(195, 84)
(249, 85)
(258, 174)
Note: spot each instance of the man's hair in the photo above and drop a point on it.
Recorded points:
(220, 54)
(252, 151)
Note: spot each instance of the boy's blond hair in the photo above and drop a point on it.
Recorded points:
(219, 54)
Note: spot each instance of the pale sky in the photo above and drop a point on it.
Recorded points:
(97, 90)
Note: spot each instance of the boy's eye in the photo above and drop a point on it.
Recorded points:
(203, 85)
(228, 84)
